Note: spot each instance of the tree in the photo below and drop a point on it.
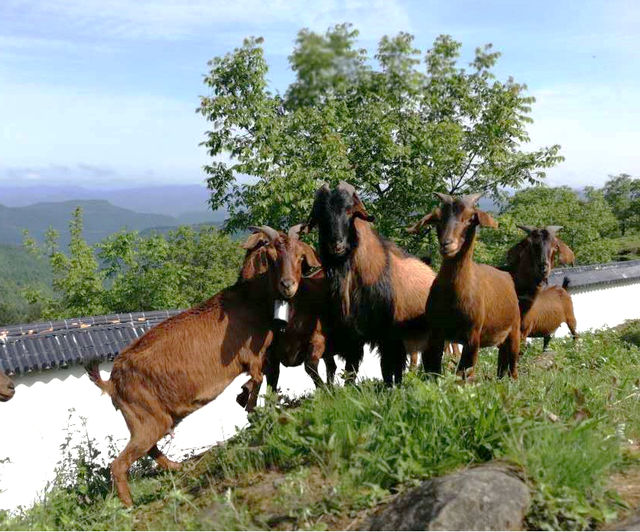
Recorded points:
(77, 280)
(178, 270)
(622, 192)
(398, 131)
(587, 223)
(128, 272)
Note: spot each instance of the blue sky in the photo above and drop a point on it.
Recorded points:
(103, 92)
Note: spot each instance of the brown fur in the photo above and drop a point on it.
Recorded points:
(377, 292)
(469, 303)
(551, 308)
(7, 388)
(303, 340)
(188, 360)
(531, 260)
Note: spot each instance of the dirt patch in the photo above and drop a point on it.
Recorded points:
(627, 484)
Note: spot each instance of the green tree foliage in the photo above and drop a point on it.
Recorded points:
(158, 272)
(77, 281)
(127, 272)
(622, 193)
(588, 223)
(398, 126)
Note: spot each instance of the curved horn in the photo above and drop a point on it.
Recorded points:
(269, 231)
(294, 231)
(527, 228)
(472, 199)
(445, 198)
(553, 228)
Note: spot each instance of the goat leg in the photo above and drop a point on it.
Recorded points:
(467, 364)
(330, 365)
(432, 355)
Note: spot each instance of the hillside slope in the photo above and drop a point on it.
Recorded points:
(101, 218)
(327, 460)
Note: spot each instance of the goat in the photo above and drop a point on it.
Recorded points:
(551, 308)
(531, 260)
(189, 359)
(542, 308)
(469, 303)
(377, 292)
(7, 388)
(303, 339)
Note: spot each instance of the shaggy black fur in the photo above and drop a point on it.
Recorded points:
(371, 309)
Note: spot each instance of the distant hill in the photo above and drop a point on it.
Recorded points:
(188, 201)
(101, 219)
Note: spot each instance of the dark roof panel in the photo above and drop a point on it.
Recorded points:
(54, 344)
(594, 276)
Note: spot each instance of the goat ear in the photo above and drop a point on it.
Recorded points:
(484, 219)
(359, 211)
(254, 241)
(427, 219)
(309, 256)
(565, 255)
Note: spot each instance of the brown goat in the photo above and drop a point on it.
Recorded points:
(377, 291)
(303, 340)
(469, 303)
(188, 360)
(531, 260)
(552, 307)
(7, 388)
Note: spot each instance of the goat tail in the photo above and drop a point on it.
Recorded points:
(565, 283)
(93, 370)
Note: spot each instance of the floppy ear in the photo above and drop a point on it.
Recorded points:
(254, 241)
(485, 219)
(309, 256)
(427, 219)
(359, 211)
(565, 255)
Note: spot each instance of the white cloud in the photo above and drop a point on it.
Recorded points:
(182, 19)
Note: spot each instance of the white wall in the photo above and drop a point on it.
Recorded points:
(34, 421)
(605, 307)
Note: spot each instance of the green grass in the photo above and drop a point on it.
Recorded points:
(628, 246)
(323, 461)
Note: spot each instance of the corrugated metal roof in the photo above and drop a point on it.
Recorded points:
(55, 344)
(593, 276)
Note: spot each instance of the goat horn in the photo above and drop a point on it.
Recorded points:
(294, 231)
(527, 228)
(472, 199)
(269, 231)
(350, 189)
(553, 228)
(445, 198)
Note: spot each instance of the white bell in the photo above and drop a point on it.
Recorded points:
(281, 310)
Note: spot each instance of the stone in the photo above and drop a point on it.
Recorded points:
(489, 497)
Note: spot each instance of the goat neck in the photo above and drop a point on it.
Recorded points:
(369, 258)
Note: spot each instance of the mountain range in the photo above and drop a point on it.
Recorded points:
(105, 211)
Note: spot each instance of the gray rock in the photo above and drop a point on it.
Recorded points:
(489, 497)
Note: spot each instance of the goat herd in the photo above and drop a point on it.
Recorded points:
(360, 288)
